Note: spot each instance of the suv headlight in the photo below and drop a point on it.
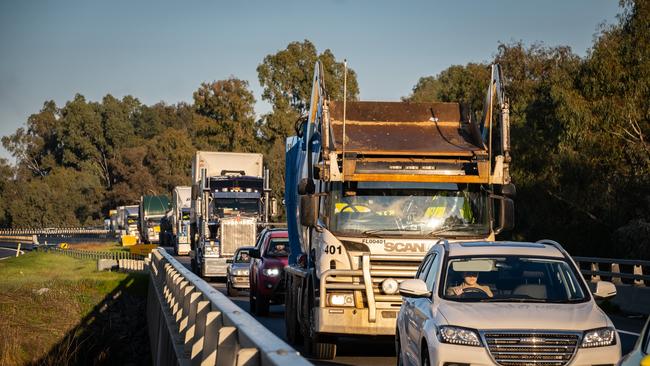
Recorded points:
(271, 272)
(458, 335)
(599, 337)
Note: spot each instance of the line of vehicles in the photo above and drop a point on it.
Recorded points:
(392, 211)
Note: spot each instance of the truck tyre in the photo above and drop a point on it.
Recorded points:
(290, 314)
(193, 266)
(313, 347)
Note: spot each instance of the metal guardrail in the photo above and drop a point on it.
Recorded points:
(89, 254)
(190, 322)
(618, 270)
(55, 231)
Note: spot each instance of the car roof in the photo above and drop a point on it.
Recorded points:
(504, 248)
(246, 248)
(279, 234)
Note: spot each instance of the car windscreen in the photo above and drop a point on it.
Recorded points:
(512, 279)
(242, 256)
(278, 247)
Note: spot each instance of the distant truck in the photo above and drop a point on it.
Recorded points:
(370, 187)
(151, 211)
(230, 199)
(181, 206)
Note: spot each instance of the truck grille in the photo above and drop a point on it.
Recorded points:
(236, 232)
(382, 268)
(528, 349)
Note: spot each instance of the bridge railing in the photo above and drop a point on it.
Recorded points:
(55, 231)
(619, 271)
(190, 322)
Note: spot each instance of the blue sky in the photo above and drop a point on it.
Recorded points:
(162, 50)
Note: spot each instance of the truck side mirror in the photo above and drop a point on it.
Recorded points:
(306, 186)
(506, 214)
(309, 210)
(274, 207)
(509, 190)
(254, 253)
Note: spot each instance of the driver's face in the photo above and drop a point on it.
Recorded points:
(470, 278)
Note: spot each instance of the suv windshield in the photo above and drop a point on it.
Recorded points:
(511, 279)
(396, 208)
(278, 247)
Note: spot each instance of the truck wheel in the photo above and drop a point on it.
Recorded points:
(318, 350)
(290, 320)
(193, 266)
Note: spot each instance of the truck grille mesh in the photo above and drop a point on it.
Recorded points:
(235, 233)
(531, 349)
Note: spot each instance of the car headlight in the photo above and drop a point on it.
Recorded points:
(599, 337)
(458, 335)
(271, 272)
(340, 300)
(241, 272)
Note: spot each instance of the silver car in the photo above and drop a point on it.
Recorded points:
(237, 271)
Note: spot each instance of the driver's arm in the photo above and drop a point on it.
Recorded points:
(487, 290)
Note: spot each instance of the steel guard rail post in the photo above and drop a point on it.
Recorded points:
(595, 270)
(191, 323)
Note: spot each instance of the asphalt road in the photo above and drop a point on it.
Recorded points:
(356, 352)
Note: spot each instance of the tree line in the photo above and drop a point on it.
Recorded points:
(581, 159)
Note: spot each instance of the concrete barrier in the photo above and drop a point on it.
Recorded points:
(191, 323)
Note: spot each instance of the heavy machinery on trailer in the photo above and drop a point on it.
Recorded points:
(181, 206)
(130, 233)
(230, 200)
(151, 211)
(370, 187)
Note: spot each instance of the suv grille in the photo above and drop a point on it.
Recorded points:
(531, 349)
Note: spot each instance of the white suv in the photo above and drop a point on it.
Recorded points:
(505, 303)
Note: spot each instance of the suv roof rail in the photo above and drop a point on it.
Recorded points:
(445, 243)
(557, 245)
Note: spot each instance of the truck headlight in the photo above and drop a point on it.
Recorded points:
(599, 337)
(458, 335)
(271, 272)
(340, 300)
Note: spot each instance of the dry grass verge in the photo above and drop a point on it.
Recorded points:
(58, 310)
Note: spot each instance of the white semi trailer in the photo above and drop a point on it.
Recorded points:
(230, 199)
(181, 206)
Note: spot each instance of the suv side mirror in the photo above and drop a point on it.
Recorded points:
(254, 253)
(414, 288)
(506, 214)
(604, 290)
(309, 210)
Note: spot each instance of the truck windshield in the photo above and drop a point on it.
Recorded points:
(511, 279)
(233, 206)
(419, 209)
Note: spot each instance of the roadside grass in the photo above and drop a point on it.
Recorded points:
(48, 304)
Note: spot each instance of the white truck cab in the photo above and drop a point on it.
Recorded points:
(504, 303)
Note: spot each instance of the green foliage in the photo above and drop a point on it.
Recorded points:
(581, 160)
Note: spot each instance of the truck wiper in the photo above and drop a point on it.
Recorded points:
(448, 228)
(375, 231)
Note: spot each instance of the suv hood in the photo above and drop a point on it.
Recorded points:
(495, 316)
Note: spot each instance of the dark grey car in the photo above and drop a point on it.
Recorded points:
(237, 271)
